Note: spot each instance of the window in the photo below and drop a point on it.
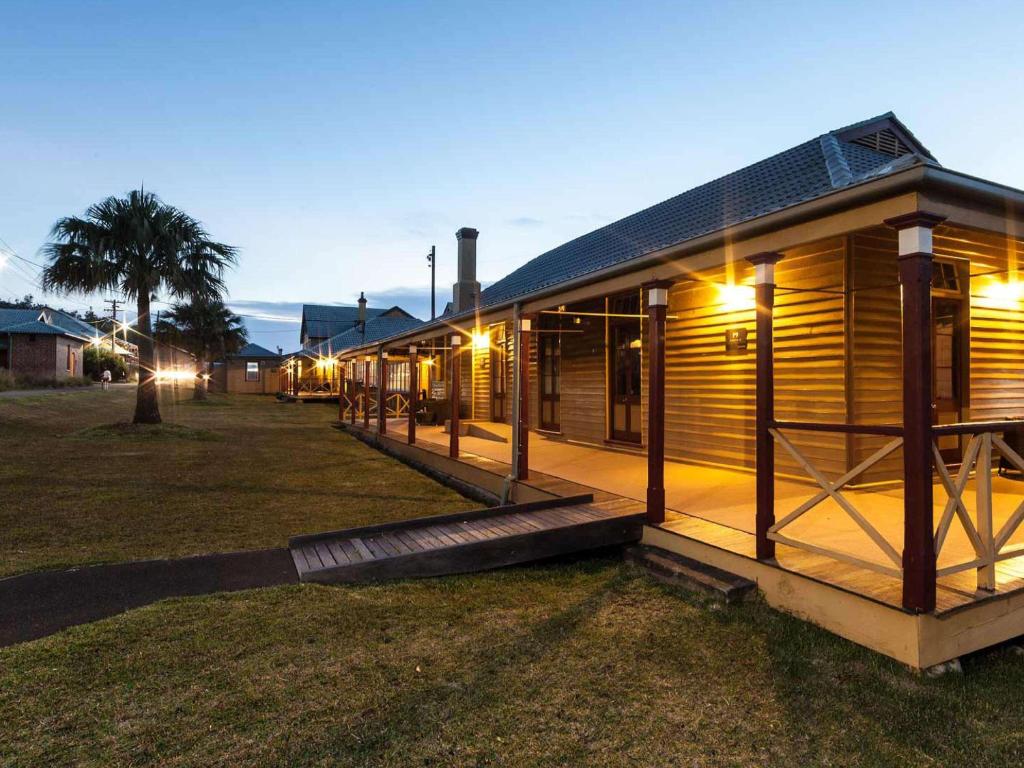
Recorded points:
(945, 277)
(252, 371)
(70, 359)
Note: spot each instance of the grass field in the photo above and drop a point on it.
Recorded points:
(238, 472)
(585, 663)
(569, 665)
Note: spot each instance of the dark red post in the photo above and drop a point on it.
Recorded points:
(522, 461)
(453, 393)
(764, 399)
(382, 395)
(353, 394)
(657, 307)
(366, 394)
(414, 392)
(342, 391)
(915, 265)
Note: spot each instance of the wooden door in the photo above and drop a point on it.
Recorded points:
(498, 369)
(624, 380)
(947, 372)
(549, 359)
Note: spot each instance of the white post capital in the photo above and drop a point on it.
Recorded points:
(764, 267)
(914, 231)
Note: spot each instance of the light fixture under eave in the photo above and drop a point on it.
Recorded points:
(481, 340)
(997, 294)
(735, 297)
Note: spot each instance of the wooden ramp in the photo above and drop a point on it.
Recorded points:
(467, 541)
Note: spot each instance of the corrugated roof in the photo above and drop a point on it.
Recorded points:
(321, 321)
(255, 350)
(376, 329)
(805, 172)
(72, 324)
(34, 321)
(14, 316)
(35, 327)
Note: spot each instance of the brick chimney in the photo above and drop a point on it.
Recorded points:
(362, 309)
(466, 292)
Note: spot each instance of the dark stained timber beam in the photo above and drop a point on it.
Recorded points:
(366, 393)
(657, 306)
(764, 399)
(414, 393)
(915, 268)
(454, 396)
(382, 394)
(522, 459)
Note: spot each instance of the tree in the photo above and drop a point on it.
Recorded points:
(97, 359)
(206, 328)
(139, 247)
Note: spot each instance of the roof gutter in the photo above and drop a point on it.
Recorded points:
(914, 178)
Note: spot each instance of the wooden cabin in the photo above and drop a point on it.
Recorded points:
(253, 370)
(315, 372)
(811, 371)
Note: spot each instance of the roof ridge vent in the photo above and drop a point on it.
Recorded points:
(884, 141)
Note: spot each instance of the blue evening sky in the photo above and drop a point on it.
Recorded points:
(333, 143)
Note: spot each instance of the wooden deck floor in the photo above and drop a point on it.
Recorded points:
(466, 542)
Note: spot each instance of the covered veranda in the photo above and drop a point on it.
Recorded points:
(715, 506)
(940, 540)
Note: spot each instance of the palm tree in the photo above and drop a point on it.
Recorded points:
(140, 247)
(205, 327)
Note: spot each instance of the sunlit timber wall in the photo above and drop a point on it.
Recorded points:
(992, 360)
(710, 388)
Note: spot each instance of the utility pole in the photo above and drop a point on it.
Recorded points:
(432, 258)
(113, 316)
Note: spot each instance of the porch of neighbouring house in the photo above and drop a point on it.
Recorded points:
(710, 518)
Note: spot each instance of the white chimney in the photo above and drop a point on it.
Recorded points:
(466, 292)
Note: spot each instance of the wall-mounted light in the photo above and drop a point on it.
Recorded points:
(734, 297)
(998, 294)
(481, 340)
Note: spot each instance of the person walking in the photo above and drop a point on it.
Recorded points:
(105, 378)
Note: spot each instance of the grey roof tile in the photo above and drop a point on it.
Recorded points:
(805, 172)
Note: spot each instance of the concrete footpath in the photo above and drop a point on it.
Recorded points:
(34, 605)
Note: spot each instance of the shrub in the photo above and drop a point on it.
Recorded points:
(96, 359)
(33, 381)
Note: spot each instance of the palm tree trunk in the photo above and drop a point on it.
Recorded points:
(147, 408)
(199, 391)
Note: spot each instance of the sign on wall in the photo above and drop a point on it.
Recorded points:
(735, 340)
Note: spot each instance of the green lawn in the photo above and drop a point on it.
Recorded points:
(238, 472)
(574, 664)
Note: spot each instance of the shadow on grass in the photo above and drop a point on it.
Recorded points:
(125, 430)
(366, 739)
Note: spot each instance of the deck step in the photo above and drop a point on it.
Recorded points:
(677, 570)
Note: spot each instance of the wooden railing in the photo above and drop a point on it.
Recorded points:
(990, 545)
(833, 490)
(397, 404)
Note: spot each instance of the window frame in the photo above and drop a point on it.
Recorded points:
(259, 370)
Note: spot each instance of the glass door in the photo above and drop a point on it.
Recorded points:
(549, 353)
(625, 361)
(498, 376)
(947, 373)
